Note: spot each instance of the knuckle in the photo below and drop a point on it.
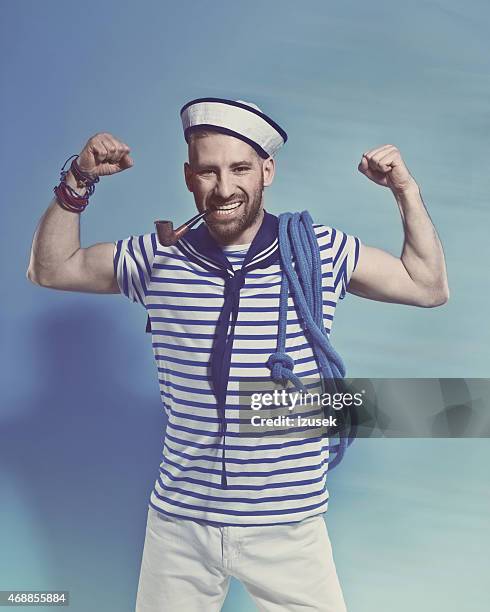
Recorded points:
(109, 145)
(96, 144)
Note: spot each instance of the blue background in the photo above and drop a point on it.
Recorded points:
(81, 424)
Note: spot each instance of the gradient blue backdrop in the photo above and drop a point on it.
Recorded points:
(81, 424)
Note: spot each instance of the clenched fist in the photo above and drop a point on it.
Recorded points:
(385, 166)
(104, 154)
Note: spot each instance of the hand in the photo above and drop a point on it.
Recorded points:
(104, 154)
(385, 166)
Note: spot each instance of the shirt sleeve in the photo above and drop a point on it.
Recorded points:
(339, 254)
(345, 255)
(133, 260)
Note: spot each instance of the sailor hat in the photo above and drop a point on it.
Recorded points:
(243, 120)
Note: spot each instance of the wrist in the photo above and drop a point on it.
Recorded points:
(409, 189)
(71, 193)
(75, 187)
(72, 182)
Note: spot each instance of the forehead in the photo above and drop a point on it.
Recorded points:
(219, 149)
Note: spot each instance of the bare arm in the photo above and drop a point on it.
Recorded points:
(418, 277)
(57, 259)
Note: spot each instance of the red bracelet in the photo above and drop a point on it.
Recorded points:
(83, 179)
(66, 196)
(69, 202)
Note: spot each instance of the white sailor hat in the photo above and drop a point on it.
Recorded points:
(243, 120)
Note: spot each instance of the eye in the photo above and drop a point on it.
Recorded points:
(241, 169)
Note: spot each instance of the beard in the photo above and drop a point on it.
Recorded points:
(227, 230)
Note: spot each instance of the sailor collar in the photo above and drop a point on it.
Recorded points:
(201, 248)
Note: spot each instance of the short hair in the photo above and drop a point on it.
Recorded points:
(198, 132)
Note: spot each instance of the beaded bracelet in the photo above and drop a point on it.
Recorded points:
(66, 196)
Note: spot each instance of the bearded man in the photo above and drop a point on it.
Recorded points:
(224, 504)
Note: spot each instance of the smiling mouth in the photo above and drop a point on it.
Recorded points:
(226, 209)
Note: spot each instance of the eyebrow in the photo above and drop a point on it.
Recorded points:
(201, 167)
(241, 163)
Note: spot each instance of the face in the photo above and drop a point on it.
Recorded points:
(227, 176)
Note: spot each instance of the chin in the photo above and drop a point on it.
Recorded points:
(226, 234)
(230, 230)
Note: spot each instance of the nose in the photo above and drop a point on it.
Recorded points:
(225, 186)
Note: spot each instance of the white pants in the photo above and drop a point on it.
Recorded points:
(187, 565)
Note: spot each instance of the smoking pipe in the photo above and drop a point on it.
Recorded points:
(167, 236)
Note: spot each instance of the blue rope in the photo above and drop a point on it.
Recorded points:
(298, 244)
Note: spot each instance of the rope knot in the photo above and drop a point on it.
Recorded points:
(281, 366)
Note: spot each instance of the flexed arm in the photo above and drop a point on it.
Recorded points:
(418, 277)
(57, 259)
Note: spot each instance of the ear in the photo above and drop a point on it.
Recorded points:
(188, 177)
(268, 171)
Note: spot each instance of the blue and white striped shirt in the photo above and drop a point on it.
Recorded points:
(269, 481)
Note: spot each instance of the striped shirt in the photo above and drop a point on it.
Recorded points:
(269, 481)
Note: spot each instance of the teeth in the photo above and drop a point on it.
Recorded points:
(225, 210)
(228, 206)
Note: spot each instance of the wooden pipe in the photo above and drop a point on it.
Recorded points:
(167, 236)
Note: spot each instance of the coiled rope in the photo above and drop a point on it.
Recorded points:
(298, 244)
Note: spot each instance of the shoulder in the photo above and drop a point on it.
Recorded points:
(339, 241)
(140, 248)
(323, 233)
